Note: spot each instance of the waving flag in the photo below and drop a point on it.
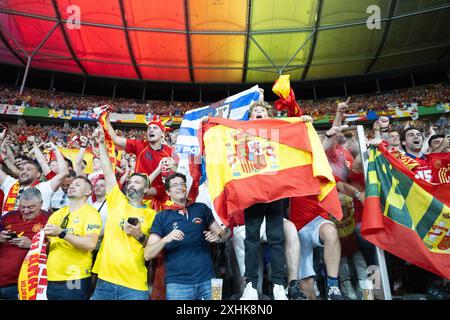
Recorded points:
(188, 147)
(405, 215)
(32, 282)
(287, 101)
(250, 162)
(101, 114)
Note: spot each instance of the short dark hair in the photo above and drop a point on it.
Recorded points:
(38, 167)
(409, 129)
(69, 162)
(23, 157)
(434, 137)
(143, 176)
(72, 174)
(173, 176)
(85, 180)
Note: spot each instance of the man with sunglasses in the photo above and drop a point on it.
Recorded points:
(183, 230)
(73, 232)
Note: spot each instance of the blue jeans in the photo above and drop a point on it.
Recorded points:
(201, 291)
(9, 292)
(105, 290)
(69, 290)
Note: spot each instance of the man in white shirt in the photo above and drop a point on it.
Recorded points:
(29, 177)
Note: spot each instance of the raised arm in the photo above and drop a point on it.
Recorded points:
(119, 141)
(63, 169)
(8, 159)
(40, 158)
(78, 165)
(105, 162)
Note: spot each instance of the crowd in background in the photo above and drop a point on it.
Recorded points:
(339, 144)
(427, 95)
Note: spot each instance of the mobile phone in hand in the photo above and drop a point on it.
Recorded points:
(11, 235)
(133, 221)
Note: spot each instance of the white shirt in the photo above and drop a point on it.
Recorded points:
(59, 199)
(43, 187)
(103, 211)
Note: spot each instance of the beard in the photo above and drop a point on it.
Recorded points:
(25, 181)
(132, 193)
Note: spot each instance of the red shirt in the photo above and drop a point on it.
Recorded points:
(341, 161)
(304, 210)
(147, 160)
(11, 256)
(440, 167)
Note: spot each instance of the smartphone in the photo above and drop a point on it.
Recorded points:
(133, 221)
(12, 235)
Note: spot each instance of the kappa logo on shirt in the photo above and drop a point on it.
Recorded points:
(197, 221)
(148, 156)
(93, 227)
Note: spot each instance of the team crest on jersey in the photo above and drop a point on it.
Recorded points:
(37, 227)
(197, 221)
(249, 154)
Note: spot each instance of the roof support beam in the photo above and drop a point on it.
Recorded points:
(223, 32)
(8, 45)
(66, 38)
(188, 41)
(127, 37)
(247, 41)
(298, 50)
(444, 53)
(314, 41)
(10, 36)
(384, 36)
(265, 54)
(35, 51)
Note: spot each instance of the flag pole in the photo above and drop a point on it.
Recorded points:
(379, 252)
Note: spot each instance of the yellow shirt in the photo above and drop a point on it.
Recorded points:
(65, 262)
(121, 257)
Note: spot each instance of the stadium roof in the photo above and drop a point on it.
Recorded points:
(223, 41)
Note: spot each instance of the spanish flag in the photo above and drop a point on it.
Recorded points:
(101, 114)
(287, 101)
(260, 161)
(405, 215)
(72, 154)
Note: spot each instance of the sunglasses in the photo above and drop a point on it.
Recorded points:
(65, 221)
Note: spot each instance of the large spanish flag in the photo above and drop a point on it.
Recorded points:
(405, 215)
(260, 161)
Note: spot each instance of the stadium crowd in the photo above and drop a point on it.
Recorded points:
(426, 95)
(127, 229)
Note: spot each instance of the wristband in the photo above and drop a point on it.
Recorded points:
(62, 235)
(328, 136)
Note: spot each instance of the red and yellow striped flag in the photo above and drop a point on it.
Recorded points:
(32, 281)
(260, 161)
(101, 115)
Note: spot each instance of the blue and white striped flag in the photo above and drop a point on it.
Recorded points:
(235, 107)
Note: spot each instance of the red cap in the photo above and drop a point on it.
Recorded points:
(157, 122)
